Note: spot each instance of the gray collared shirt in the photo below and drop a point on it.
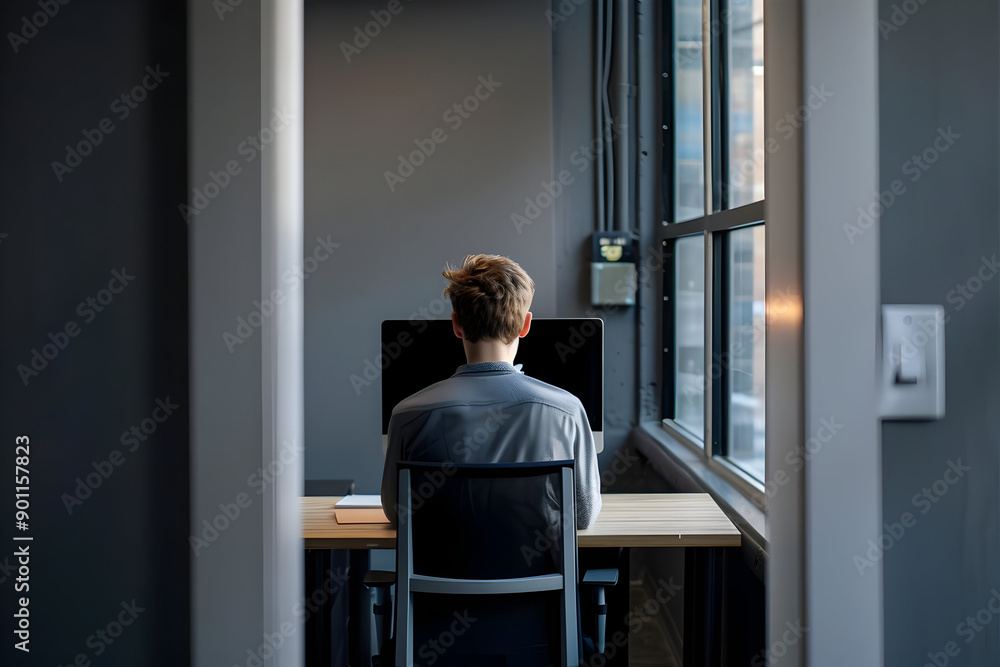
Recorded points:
(491, 413)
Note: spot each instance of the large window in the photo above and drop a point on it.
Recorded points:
(689, 109)
(713, 234)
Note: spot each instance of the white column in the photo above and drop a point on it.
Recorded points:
(282, 354)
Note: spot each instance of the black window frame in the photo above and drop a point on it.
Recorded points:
(716, 227)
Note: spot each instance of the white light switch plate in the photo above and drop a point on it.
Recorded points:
(912, 362)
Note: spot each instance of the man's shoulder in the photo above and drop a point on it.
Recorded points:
(509, 389)
(551, 395)
(439, 393)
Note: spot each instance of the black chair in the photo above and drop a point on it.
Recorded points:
(486, 568)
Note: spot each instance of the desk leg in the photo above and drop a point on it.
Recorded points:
(618, 613)
(318, 645)
(359, 623)
(703, 571)
(327, 613)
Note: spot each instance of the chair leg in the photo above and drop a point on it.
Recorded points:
(602, 618)
(383, 616)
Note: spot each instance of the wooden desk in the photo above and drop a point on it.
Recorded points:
(626, 520)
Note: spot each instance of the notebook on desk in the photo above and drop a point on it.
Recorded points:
(360, 509)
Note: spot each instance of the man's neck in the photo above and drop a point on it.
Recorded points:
(490, 350)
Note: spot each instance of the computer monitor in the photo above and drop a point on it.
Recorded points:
(565, 352)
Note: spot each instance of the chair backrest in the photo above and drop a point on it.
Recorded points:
(486, 564)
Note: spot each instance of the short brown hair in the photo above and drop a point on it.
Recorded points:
(491, 295)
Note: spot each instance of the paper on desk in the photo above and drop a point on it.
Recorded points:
(358, 501)
(360, 509)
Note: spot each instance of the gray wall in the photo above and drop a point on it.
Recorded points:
(124, 538)
(225, 259)
(361, 115)
(939, 70)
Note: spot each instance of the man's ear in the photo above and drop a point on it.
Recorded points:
(527, 325)
(455, 326)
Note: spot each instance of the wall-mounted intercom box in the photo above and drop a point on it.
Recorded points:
(612, 269)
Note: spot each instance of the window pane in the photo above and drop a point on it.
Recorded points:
(689, 152)
(746, 349)
(689, 333)
(745, 80)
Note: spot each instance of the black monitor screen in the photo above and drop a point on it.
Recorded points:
(567, 353)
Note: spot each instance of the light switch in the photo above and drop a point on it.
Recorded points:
(912, 365)
(912, 362)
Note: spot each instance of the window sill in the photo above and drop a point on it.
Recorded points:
(688, 471)
(733, 475)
